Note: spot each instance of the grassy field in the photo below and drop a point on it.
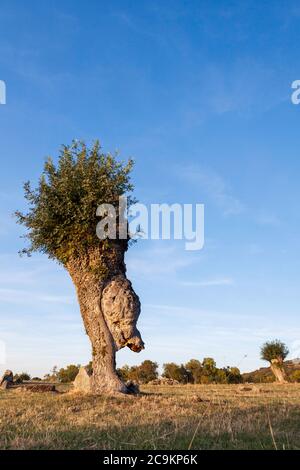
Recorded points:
(162, 417)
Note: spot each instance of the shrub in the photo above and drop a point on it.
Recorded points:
(68, 374)
(194, 369)
(295, 376)
(175, 372)
(21, 377)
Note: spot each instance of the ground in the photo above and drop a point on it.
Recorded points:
(162, 417)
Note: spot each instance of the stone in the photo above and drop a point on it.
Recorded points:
(132, 387)
(83, 379)
(163, 381)
(7, 379)
(39, 387)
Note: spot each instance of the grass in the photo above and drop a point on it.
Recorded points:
(162, 417)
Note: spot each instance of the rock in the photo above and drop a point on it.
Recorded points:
(163, 381)
(82, 382)
(7, 379)
(132, 387)
(39, 387)
(249, 388)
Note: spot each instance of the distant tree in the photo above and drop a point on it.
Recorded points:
(234, 375)
(52, 375)
(295, 376)
(134, 373)
(68, 374)
(22, 377)
(147, 371)
(275, 353)
(61, 222)
(36, 379)
(124, 372)
(221, 376)
(194, 370)
(89, 367)
(175, 372)
(209, 370)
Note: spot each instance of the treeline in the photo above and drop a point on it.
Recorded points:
(194, 371)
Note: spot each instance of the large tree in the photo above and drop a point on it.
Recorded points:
(275, 353)
(61, 222)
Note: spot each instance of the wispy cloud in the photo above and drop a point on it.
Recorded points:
(209, 282)
(31, 297)
(270, 219)
(159, 261)
(215, 187)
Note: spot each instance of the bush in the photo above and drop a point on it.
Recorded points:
(143, 373)
(176, 372)
(295, 376)
(194, 369)
(68, 374)
(19, 378)
(147, 371)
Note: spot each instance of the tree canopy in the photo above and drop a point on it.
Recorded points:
(61, 220)
(274, 350)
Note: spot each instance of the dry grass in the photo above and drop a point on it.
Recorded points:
(163, 417)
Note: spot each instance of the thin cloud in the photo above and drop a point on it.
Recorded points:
(17, 296)
(209, 283)
(216, 189)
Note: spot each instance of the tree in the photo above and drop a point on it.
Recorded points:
(61, 222)
(22, 377)
(295, 376)
(68, 374)
(124, 372)
(233, 375)
(275, 353)
(175, 372)
(209, 370)
(194, 369)
(147, 371)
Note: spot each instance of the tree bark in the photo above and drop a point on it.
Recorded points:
(278, 370)
(109, 308)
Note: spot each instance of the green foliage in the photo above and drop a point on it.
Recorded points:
(295, 376)
(68, 374)
(143, 373)
(229, 375)
(209, 371)
(194, 370)
(61, 220)
(147, 371)
(21, 377)
(274, 350)
(175, 372)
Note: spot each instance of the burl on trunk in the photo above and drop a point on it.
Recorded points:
(110, 309)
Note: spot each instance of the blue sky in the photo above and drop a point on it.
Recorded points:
(199, 93)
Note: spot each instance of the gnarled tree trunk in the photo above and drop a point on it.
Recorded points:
(278, 370)
(110, 309)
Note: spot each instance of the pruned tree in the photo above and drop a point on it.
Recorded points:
(275, 353)
(61, 222)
